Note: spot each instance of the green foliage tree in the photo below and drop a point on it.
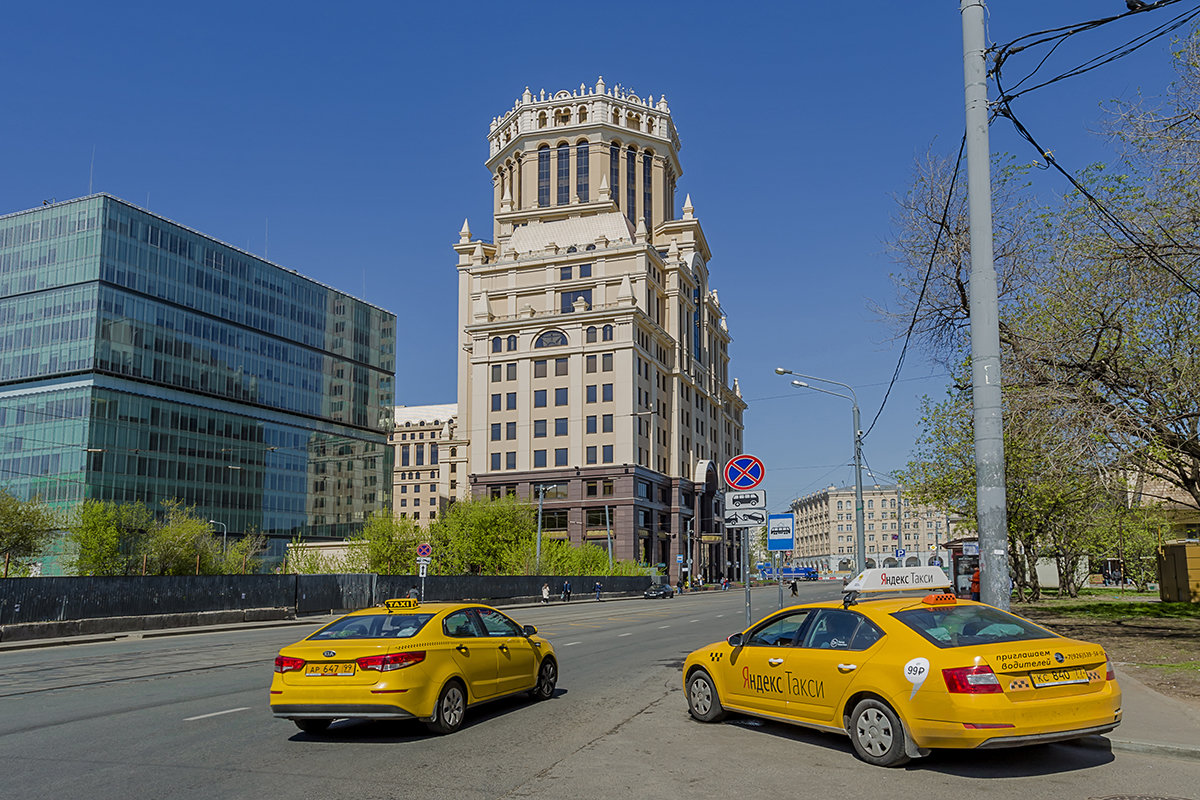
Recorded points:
(182, 543)
(26, 527)
(244, 556)
(477, 536)
(106, 538)
(389, 544)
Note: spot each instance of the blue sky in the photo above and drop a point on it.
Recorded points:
(347, 142)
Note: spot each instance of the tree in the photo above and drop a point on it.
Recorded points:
(107, 538)
(26, 527)
(476, 536)
(181, 543)
(245, 555)
(389, 544)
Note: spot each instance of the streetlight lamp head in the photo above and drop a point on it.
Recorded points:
(800, 384)
(781, 371)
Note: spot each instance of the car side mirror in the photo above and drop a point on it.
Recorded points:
(735, 640)
(529, 630)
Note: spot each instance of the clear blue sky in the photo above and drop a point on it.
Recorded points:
(355, 133)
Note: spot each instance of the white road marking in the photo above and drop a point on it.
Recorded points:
(216, 713)
(720, 615)
(693, 620)
(624, 634)
(660, 627)
(568, 644)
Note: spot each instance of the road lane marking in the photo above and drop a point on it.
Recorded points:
(624, 634)
(216, 713)
(660, 627)
(720, 615)
(693, 620)
(568, 644)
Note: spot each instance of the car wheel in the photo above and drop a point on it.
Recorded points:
(450, 709)
(703, 703)
(312, 725)
(546, 681)
(877, 734)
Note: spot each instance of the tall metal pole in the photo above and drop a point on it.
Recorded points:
(541, 493)
(985, 328)
(860, 536)
(608, 533)
(746, 572)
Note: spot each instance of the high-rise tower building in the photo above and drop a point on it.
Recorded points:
(594, 359)
(142, 361)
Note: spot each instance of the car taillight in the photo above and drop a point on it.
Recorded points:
(1109, 675)
(391, 661)
(971, 680)
(288, 664)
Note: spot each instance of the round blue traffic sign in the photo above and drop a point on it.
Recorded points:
(744, 472)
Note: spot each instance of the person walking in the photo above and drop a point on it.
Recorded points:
(566, 591)
(414, 592)
(792, 587)
(599, 586)
(975, 584)
(545, 593)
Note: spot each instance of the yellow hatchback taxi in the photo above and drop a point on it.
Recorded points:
(902, 667)
(406, 660)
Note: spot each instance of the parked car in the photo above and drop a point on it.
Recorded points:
(659, 590)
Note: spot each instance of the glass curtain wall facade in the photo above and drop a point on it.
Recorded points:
(142, 361)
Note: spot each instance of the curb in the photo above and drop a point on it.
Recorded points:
(32, 644)
(1145, 748)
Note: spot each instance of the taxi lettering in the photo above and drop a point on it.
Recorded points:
(786, 684)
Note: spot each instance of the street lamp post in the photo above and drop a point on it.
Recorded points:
(541, 493)
(224, 535)
(860, 538)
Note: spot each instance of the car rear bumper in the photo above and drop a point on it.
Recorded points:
(1066, 719)
(340, 711)
(1045, 738)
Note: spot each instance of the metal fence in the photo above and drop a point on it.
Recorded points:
(33, 600)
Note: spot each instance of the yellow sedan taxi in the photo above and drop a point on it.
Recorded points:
(902, 666)
(405, 660)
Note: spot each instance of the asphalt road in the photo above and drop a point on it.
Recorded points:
(186, 716)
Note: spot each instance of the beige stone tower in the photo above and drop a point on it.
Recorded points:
(594, 365)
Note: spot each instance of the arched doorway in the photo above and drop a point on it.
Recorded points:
(912, 561)
(890, 562)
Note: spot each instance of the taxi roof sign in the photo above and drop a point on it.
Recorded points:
(899, 579)
(401, 602)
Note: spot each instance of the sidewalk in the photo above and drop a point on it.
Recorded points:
(1153, 723)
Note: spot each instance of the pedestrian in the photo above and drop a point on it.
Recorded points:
(414, 592)
(793, 588)
(679, 585)
(545, 593)
(975, 585)
(599, 586)
(566, 591)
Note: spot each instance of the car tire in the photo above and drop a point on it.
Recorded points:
(450, 709)
(703, 702)
(877, 734)
(313, 725)
(547, 679)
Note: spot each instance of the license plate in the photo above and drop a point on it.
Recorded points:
(329, 670)
(1058, 677)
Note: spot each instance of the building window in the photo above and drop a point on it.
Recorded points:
(404, 455)
(606, 393)
(495, 462)
(567, 300)
(614, 173)
(495, 431)
(591, 334)
(560, 396)
(539, 398)
(539, 368)
(543, 176)
(560, 426)
(496, 343)
(510, 401)
(510, 460)
(592, 488)
(564, 173)
(539, 429)
(564, 273)
(607, 423)
(591, 364)
(607, 454)
(607, 333)
(551, 339)
(560, 457)
(581, 171)
(607, 362)
(495, 402)
(497, 372)
(585, 270)
(539, 458)
(560, 366)
(647, 201)
(591, 424)
(510, 372)
(512, 342)
(591, 393)
(631, 184)
(510, 430)
(591, 455)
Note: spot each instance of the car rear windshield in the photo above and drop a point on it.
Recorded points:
(966, 625)
(374, 626)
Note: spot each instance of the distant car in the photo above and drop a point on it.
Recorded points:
(806, 574)
(406, 660)
(901, 666)
(659, 590)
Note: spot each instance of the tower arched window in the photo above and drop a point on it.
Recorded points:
(631, 184)
(607, 333)
(496, 345)
(581, 115)
(551, 339)
(591, 334)
(614, 173)
(544, 175)
(563, 157)
(647, 190)
(581, 171)
(512, 343)
(542, 120)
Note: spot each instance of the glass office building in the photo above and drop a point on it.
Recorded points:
(143, 361)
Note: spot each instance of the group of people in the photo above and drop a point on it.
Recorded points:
(565, 592)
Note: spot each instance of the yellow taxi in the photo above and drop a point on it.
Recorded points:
(902, 666)
(406, 660)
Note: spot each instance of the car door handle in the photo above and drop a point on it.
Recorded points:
(462, 648)
(503, 647)
(847, 667)
(774, 662)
